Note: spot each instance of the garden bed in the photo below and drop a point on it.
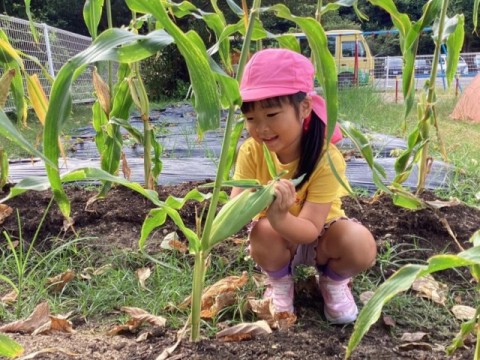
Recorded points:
(116, 221)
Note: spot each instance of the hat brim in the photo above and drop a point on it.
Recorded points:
(265, 93)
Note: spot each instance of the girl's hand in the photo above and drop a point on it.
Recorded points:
(284, 198)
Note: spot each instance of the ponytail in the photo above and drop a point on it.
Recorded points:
(312, 143)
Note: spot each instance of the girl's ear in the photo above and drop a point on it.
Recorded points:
(306, 107)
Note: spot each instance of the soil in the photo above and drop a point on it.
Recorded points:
(311, 337)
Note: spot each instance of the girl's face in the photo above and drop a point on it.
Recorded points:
(280, 127)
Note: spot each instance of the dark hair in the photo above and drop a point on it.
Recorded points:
(313, 138)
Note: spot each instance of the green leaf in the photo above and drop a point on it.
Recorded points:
(9, 131)
(398, 282)
(3, 167)
(92, 13)
(9, 347)
(323, 60)
(33, 29)
(362, 144)
(475, 239)
(455, 32)
(244, 184)
(401, 281)
(207, 102)
(475, 11)
(232, 150)
(407, 201)
(269, 160)
(154, 219)
(113, 44)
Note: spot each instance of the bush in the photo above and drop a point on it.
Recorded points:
(165, 75)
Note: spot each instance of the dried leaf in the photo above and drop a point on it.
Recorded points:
(102, 92)
(48, 350)
(39, 316)
(142, 275)
(438, 204)
(414, 337)
(365, 296)
(5, 82)
(57, 324)
(388, 321)
(143, 337)
(463, 312)
(171, 241)
(228, 284)
(238, 332)
(416, 346)
(144, 316)
(9, 298)
(129, 326)
(221, 302)
(428, 287)
(284, 320)
(88, 272)
(260, 279)
(126, 170)
(264, 309)
(5, 211)
(57, 283)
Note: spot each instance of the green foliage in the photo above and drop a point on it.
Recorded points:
(165, 75)
(402, 281)
(9, 348)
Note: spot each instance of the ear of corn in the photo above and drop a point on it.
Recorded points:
(236, 213)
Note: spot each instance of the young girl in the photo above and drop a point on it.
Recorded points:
(306, 224)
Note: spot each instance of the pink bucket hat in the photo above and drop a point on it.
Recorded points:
(278, 72)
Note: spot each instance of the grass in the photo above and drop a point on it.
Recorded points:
(368, 110)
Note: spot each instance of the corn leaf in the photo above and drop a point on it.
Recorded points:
(232, 150)
(37, 96)
(323, 60)
(92, 13)
(154, 219)
(401, 281)
(401, 21)
(476, 4)
(343, 3)
(9, 347)
(407, 201)
(455, 32)
(12, 60)
(3, 167)
(207, 102)
(362, 144)
(269, 160)
(9, 131)
(33, 29)
(113, 44)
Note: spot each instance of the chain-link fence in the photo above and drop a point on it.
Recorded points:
(54, 48)
(388, 72)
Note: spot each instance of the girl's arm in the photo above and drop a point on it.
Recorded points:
(301, 229)
(235, 191)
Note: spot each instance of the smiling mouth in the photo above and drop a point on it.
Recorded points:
(270, 139)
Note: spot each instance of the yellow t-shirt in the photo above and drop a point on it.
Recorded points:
(322, 187)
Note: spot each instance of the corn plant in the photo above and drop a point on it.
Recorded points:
(445, 30)
(9, 347)
(402, 280)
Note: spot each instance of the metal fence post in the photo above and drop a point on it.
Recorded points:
(49, 51)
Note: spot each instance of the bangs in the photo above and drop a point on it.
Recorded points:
(294, 99)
